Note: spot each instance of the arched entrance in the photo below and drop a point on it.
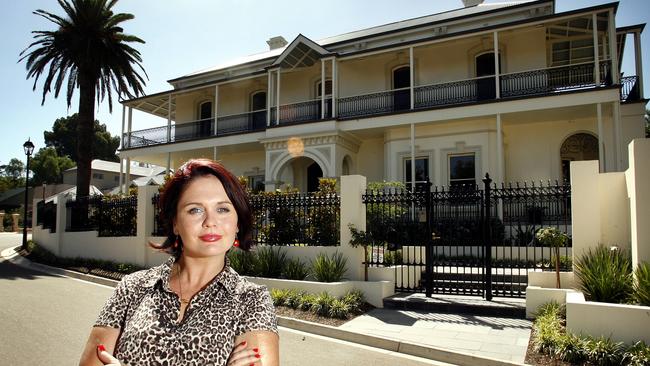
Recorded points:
(577, 147)
(301, 173)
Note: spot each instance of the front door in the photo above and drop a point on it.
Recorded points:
(401, 80)
(258, 109)
(206, 122)
(313, 173)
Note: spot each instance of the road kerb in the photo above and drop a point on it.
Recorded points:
(407, 348)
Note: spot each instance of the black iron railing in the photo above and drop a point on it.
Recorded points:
(375, 103)
(630, 89)
(109, 217)
(46, 215)
(456, 232)
(296, 219)
(302, 112)
(456, 92)
(192, 130)
(146, 137)
(243, 122)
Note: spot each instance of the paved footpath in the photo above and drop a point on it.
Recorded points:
(497, 338)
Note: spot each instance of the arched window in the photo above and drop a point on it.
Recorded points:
(328, 88)
(401, 80)
(577, 147)
(206, 121)
(486, 87)
(257, 118)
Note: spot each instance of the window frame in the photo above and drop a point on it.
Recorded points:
(464, 181)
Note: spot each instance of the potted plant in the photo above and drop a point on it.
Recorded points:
(554, 238)
(363, 239)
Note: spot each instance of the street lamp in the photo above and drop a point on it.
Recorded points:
(29, 148)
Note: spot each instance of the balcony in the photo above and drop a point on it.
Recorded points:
(547, 81)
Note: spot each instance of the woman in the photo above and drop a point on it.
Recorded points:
(194, 309)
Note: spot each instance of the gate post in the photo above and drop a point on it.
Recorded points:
(487, 239)
(429, 242)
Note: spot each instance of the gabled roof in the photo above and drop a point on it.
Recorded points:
(302, 52)
(109, 166)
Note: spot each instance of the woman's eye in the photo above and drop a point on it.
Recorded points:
(195, 210)
(223, 209)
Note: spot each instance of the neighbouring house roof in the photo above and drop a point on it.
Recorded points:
(72, 192)
(14, 198)
(156, 180)
(109, 166)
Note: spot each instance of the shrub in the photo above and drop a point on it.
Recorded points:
(638, 354)
(339, 309)
(605, 275)
(322, 304)
(270, 263)
(292, 299)
(548, 327)
(603, 351)
(279, 296)
(329, 269)
(355, 300)
(294, 269)
(243, 262)
(392, 257)
(642, 284)
(306, 302)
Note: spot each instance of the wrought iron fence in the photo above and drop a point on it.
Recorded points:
(296, 219)
(456, 92)
(146, 137)
(46, 215)
(192, 130)
(630, 89)
(158, 225)
(455, 240)
(109, 217)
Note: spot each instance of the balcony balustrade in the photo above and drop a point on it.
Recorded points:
(545, 81)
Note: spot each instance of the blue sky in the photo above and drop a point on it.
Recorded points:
(190, 35)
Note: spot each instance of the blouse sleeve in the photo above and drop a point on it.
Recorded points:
(113, 314)
(258, 312)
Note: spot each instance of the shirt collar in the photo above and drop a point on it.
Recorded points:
(228, 278)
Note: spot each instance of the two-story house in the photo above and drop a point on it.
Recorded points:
(515, 89)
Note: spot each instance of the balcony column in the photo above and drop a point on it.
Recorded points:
(411, 81)
(216, 103)
(594, 26)
(269, 90)
(121, 175)
(169, 118)
(128, 175)
(618, 143)
(130, 124)
(616, 75)
(500, 153)
(214, 153)
(169, 163)
(497, 66)
(322, 88)
(601, 138)
(277, 99)
(122, 141)
(638, 62)
(335, 86)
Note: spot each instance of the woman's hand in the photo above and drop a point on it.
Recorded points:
(106, 358)
(243, 356)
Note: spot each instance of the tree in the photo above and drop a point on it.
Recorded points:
(48, 166)
(11, 175)
(88, 51)
(63, 138)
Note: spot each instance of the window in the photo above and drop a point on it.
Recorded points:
(98, 176)
(116, 178)
(328, 88)
(256, 183)
(462, 169)
(421, 171)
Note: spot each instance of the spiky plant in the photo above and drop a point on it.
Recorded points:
(605, 274)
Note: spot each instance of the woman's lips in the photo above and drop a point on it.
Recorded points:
(210, 237)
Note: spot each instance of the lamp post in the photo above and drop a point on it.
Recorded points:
(29, 148)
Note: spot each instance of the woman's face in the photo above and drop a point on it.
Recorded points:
(206, 220)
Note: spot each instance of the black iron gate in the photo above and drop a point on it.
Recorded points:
(465, 240)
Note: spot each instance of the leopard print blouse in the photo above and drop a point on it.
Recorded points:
(146, 310)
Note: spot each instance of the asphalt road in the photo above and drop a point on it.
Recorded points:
(45, 320)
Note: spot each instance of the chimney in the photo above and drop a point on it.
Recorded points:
(469, 3)
(276, 42)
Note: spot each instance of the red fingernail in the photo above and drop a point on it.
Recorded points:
(101, 348)
(257, 355)
(256, 350)
(243, 343)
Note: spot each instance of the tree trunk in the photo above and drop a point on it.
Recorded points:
(557, 266)
(85, 136)
(365, 263)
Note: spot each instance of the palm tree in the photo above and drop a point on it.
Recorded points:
(88, 51)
